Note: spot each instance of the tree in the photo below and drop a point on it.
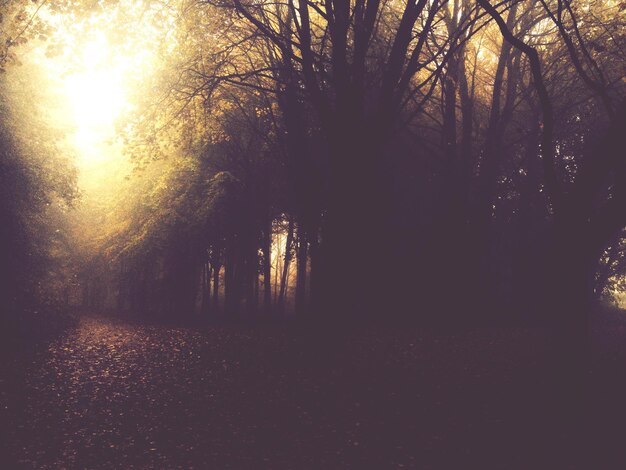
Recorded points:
(38, 187)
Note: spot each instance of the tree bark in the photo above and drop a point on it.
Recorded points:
(267, 266)
(216, 287)
(301, 273)
(286, 264)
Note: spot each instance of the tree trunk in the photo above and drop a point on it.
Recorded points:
(605, 272)
(232, 280)
(286, 264)
(358, 218)
(251, 263)
(567, 300)
(216, 287)
(301, 274)
(205, 288)
(267, 267)
(256, 290)
(314, 294)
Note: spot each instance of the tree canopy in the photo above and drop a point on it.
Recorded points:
(341, 157)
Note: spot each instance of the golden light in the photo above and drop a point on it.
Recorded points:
(96, 72)
(96, 98)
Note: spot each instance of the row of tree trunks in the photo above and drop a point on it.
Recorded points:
(181, 281)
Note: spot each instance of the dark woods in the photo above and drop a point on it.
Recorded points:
(37, 190)
(452, 162)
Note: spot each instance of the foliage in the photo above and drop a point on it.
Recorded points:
(427, 140)
(38, 185)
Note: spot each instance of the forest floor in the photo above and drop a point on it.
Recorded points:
(115, 394)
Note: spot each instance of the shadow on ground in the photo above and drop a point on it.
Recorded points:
(111, 394)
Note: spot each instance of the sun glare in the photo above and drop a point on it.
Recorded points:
(96, 93)
(94, 76)
(96, 98)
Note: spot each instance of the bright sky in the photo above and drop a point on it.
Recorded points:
(95, 76)
(96, 98)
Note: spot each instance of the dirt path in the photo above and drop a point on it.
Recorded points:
(112, 394)
(116, 395)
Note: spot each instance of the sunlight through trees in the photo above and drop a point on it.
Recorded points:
(342, 157)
